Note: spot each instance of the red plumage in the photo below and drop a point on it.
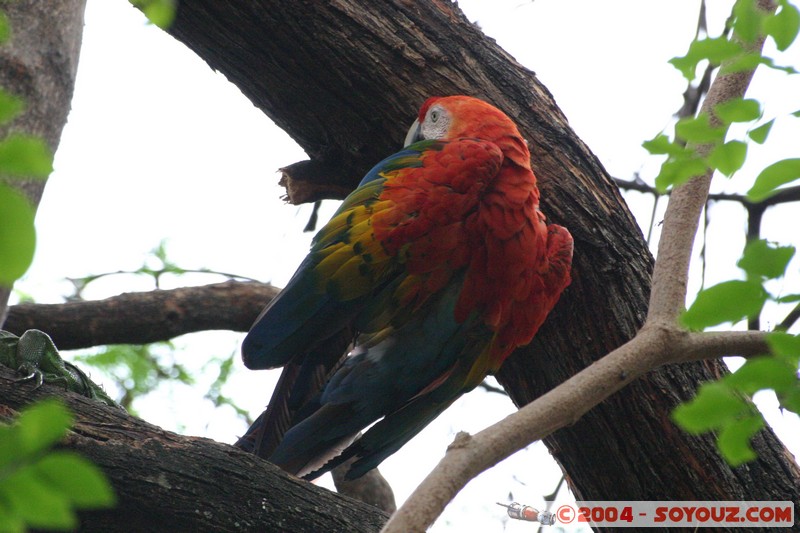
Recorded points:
(438, 266)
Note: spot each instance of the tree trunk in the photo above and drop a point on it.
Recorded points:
(345, 77)
(167, 482)
(39, 64)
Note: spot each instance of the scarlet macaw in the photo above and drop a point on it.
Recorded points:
(436, 268)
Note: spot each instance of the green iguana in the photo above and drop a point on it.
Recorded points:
(35, 356)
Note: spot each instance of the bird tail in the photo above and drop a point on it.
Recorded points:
(384, 438)
(295, 396)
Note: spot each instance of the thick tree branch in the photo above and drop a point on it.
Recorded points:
(140, 318)
(166, 314)
(711, 344)
(176, 483)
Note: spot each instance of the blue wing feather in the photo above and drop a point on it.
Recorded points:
(410, 364)
(297, 319)
(413, 381)
(311, 307)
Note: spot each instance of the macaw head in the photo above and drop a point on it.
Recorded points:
(458, 117)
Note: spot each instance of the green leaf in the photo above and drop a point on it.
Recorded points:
(9, 449)
(78, 479)
(17, 235)
(25, 156)
(714, 50)
(729, 301)
(788, 298)
(39, 488)
(37, 503)
(9, 521)
(783, 25)
(747, 23)
(10, 106)
(714, 405)
(43, 424)
(728, 157)
(660, 144)
(742, 62)
(734, 439)
(768, 61)
(791, 400)
(159, 12)
(738, 110)
(676, 171)
(772, 177)
(5, 27)
(784, 344)
(760, 134)
(699, 130)
(760, 259)
(763, 373)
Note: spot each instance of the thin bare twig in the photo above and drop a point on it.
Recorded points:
(693, 95)
(491, 388)
(786, 195)
(790, 319)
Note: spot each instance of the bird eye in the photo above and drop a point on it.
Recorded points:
(435, 115)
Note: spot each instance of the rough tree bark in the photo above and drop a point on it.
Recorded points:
(168, 482)
(39, 64)
(344, 77)
(141, 318)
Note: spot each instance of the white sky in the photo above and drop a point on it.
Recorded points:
(160, 147)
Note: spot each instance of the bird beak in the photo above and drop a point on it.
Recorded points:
(414, 134)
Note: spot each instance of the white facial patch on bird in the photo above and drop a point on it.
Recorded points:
(436, 123)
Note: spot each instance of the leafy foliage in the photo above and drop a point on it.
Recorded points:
(215, 394)
(732, 301)
(683, 161)
(21, 156)
(17, 235)
(10, 106)
(138, 370)
(25, 156)
(158, 12)
(728, 157)
(783, 26)
(729, 301)
(724, 406)
(41, 487)
(772, 177)
(762, 260)
(156, 265)
(5, 28)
